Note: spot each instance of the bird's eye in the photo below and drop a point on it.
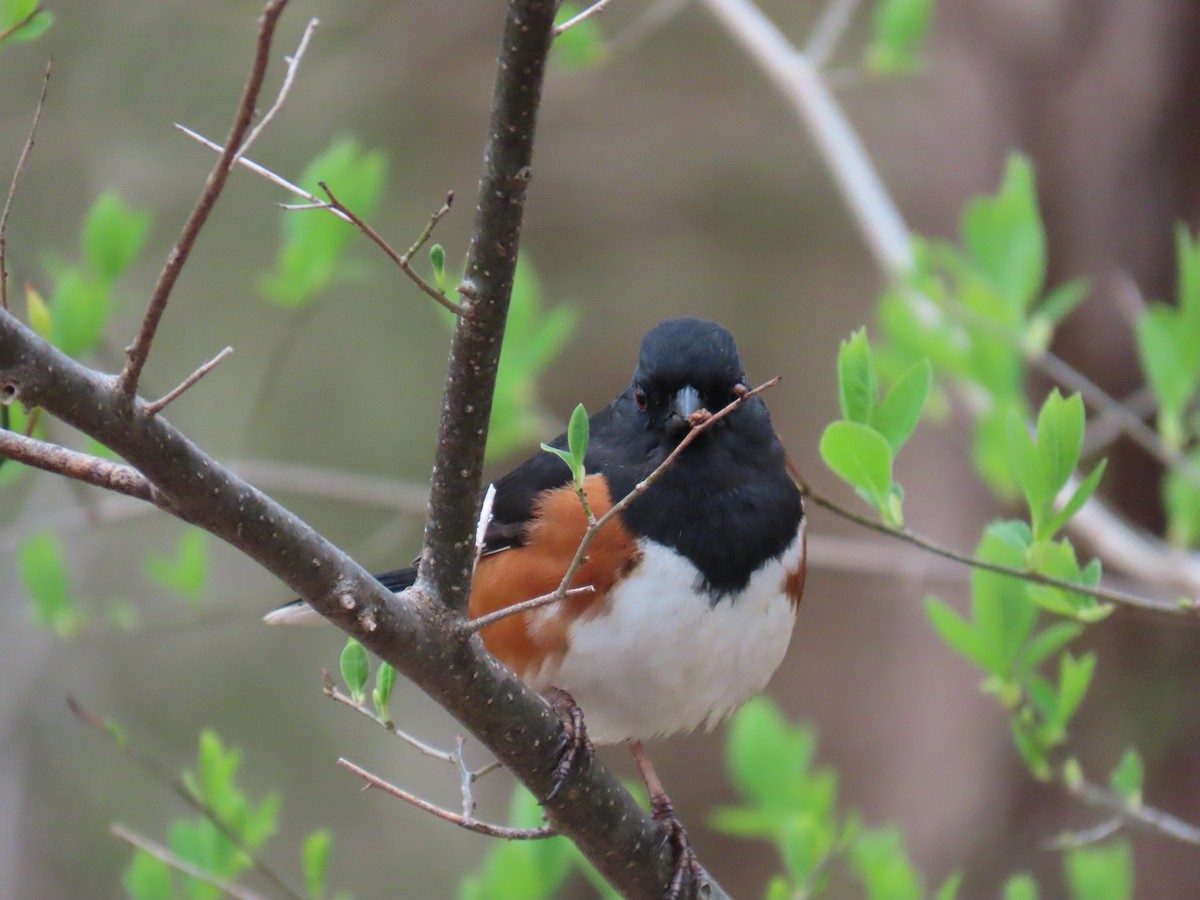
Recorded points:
(639, 397)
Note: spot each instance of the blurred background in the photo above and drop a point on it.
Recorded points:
(670, 180)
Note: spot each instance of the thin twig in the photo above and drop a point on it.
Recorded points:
(80, 466)
(22, 161)
(465, 779)
(315, 202)
(470, 824)
(153, 409)
(427, 231)
(1147, 817)
(334, 694)
(596, 7)
(556, 596)
(401, 260)
(903, 534)
(830, 28)
(1072, 839)
(17, 26)
(162, 854)
(1107, 427)
(293, 65)
(139, 350)
(161, 774)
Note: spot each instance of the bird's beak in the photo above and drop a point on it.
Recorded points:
(685, 402)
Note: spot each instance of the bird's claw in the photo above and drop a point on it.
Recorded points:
(575, 745)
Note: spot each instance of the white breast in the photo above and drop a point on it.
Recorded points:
(661, 660)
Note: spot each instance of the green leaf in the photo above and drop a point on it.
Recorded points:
(148, 878)
(1060, 438)
(860, 456)
(1048, 642)
(1100, 872)
(765, 753)
(314, 240)
(1187, 253)
(1021, 887)
(80, 309)
(580, 46)
(185, 574)
(385, 681)
(881, 861)
(1170, 362)
(898, 414)
(40, 562)
(39, 314)
(1003, 614)
(1181, 498)
(1029, 469)
(521, 870)
(113, 233)
(1082, 494)
(1126, 779)
(355, 669)
(957, 632)
(12, 12)
(857, 384)
(437, 258)
(577, 440)
(899, 31)
(1006, 239)
(1074, 678)
(1032, 751)
(949, 888)
(1062, 301)
(316, 863)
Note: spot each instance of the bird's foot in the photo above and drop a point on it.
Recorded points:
(688, 872)
(575, 744)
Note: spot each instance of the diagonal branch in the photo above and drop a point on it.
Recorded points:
(161, 853)
(22, 161)
(79, 466)
(139, 350)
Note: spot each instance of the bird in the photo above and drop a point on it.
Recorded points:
(695, 583)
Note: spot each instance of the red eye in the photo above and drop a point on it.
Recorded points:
(639, 397)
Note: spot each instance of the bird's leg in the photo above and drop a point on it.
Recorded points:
(575, 740)
(686, 865)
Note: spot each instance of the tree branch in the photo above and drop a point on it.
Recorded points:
(161, 853)
(139, 350)
(78, 466)
(22, 161)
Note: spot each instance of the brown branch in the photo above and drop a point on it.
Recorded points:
(402, 260)
(462, 821)
(162, 854)
(139, 350)
(153, 409)
(160, 773)
(83, 467)
(903, 534)
(22, 161)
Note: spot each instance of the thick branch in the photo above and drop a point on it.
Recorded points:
(79, 466)
(446, 561)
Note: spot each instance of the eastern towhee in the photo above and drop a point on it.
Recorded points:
(696, 582)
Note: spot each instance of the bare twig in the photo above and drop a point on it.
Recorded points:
(469, 823)
(555, 596)
(80, 466)
(1146, 817)
(17, 26)
(596, 7)
(1072, 839)
(828, 33)
(139, 350)
(160, 404)
(1107, 426)
(164, 776)
(401, 260)
(334, 694)
(293, 65)
(1113, 596)
(161, 853)
(314, 202)
(22, 161)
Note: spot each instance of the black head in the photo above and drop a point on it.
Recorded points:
(685, 365)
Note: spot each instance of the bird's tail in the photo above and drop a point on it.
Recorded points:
(298, 612)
